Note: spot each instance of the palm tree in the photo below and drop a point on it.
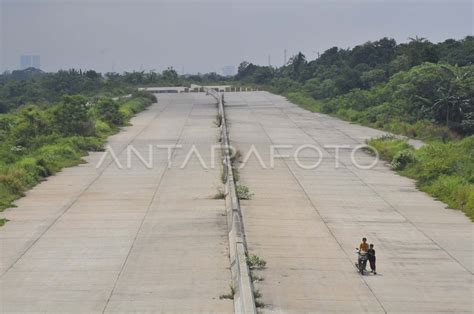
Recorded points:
(451, 104)
(449, 101)
(418, 39)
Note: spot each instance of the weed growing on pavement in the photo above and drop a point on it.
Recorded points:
(243, 192)
(229, 295)
(220, 195)
(256, 262)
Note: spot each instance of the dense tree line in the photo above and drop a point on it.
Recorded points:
(22, 87)
(419, 89)
(382, 81)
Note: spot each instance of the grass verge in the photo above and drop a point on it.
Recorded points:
(41, 155)
(443, 170)
(421, 129)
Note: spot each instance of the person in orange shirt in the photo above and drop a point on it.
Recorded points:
(364, 246)
(363, 249)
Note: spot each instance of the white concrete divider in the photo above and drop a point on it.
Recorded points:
(244, 301)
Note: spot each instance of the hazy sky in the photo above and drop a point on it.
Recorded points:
(203, 36)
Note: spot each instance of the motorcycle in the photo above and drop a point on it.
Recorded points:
(361, 261)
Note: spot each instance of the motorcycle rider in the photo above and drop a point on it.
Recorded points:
(364, 246)
(363, 249)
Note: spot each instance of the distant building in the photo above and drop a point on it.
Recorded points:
(30, 61)
(36, 62)
(228, 70)
(25, 62)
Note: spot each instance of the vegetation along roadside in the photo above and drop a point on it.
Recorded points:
(38, 140)
(443, 170)
(419, 89)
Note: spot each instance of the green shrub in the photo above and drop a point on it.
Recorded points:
(32, 170)
(71, 117)
(304, 101)
(132, 106)
(82, 144)
(445, 186)
(6, 196)
(454, 191)
(12, 182)
(243, 192)
(255, 262)
(444, 170)
(402, 159)
(388, 146)
(102, 128)
(107, 110)
(436, 159)
(144, 94)
(350, 114)
(55, 157)
(17, 177)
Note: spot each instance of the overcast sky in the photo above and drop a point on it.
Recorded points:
(204, 36)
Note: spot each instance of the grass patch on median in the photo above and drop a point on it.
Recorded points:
(443, 170)
(256, 262)
(243, 192)
(229, 295)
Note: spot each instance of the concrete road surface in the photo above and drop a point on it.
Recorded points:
(135, 239)
(307, 223)
(150, 238)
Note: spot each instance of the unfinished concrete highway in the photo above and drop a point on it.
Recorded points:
(153, 239)
(134, 239)
(307, 223)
